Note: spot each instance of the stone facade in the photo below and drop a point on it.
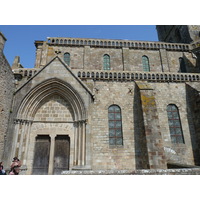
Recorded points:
(6, 94)
(66, 101)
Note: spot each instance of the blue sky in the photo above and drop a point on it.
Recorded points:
(20, 38)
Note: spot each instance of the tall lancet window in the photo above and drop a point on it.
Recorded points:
(106, 62)
(175, 127)
(115, 125)
(145, 64)
(67, 58)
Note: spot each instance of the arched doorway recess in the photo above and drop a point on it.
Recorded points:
(49, 107)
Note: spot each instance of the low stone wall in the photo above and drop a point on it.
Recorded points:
(184, 171)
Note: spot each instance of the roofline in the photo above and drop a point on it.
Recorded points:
(56, 57)
(1, 34)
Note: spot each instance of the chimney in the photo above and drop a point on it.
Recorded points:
(2, 42)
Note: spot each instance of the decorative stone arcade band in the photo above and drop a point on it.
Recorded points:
(22, 137)
(127, 76)
(118, 44)
(130, 76)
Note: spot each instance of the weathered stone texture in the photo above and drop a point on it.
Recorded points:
(55, 108)
(105, 156)
(151, 126)
(174, 93)
(55, 99)
(6, 95)
(121, 59)
(193, 109)
(192, 171)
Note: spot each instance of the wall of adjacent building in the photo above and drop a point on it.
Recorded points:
(6, 95)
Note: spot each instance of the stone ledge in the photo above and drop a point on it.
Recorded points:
(107, 43)
(138, 75)
(184, 171)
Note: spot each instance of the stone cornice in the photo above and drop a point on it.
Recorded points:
(106, 43)
(123, 75)
(135, 76)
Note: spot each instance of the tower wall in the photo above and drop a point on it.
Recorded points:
(178, 33)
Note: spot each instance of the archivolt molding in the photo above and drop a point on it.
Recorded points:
(35, 98)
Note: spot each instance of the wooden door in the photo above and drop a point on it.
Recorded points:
(61, 154)
(41, 156)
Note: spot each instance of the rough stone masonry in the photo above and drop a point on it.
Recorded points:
(100, 106)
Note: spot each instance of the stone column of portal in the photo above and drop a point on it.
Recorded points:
(155, 149)
(75, 162)
(51, 156)
(24, 131)
(83, 142)
(79, 144)
(27, 142)
(16, 131)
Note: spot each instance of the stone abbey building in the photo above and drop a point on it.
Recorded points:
(104, 106)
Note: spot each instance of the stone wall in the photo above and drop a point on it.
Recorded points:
(54, 108)
(193, 110)
(141, 153)
(193, 171)
(148, 135)
(147, 142)
(57, 94)
(105, 156)
(154, 142)
(174, 93)
(88, 57)
(6, 96)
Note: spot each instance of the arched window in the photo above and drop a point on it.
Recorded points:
(67, 58)
(145, 63)
(106, 62)
(115, 125)
(175, 128)
(182, 65)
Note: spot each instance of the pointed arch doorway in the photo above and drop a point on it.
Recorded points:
(54, 109)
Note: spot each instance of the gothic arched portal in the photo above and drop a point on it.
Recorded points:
(52, 119)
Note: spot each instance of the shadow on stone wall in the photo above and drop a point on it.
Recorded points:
(193, 113)
(141, 154)
(189, 66)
